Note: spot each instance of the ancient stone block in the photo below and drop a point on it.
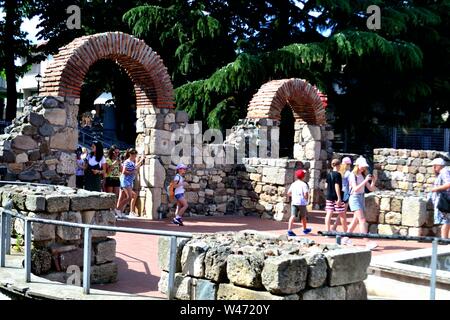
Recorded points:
(55, 117)
(104, 273)
(105, 251)
(42, 232)
(396, 205)
(153, 174)
(393, 218)
(104, 218)
(57, 203)
(204, 289)
(372, 208)
(69, 233)
(387, 229)
(340, 261)
(41, 261)
(182, 286)
(356, 291)
(84, 200)
(164, 253)
(414, 212)
(284, 274)
(71, 258)
(66, 139)
(87, 216)
(24, 143)
(36, 119)
(231, 292)
(216, 263)
(325, 293)
(385, 204)
(67, 164)
(245, 270)
(152, 202)
(317, 269)
(193, 258)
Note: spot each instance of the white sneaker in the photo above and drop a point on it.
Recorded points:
(133, 215)
(371, 245)
(119, 214)
(346, 241)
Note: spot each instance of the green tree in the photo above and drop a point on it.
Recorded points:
(391, 76)
(13, 45)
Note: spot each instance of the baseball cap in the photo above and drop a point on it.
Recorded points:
(181, 166)
(347, 160)
(437, 162)
(300, 174)
(361, 162)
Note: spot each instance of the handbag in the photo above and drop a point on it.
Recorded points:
(443, 204)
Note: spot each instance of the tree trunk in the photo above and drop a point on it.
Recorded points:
(11, 7)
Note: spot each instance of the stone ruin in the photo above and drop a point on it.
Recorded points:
(56, 248)
(401, 205)
(40, 145)
(250, 265)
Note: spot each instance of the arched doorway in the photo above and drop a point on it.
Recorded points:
(155, 115)
(294, 110)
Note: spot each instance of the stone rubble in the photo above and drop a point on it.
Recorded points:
(256, 265)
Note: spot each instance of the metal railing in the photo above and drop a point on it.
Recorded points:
(87, 138)
(434, 252)
(5, 243)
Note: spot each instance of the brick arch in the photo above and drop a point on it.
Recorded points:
(64, 75)
(307, 102)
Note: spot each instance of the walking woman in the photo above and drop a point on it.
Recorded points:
(95, 168)
(129, 169)
(113, 169)
(359, 179)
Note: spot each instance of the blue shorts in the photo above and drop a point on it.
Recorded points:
(126, 183)
(357, 202)
(179, 196)
(441, 217)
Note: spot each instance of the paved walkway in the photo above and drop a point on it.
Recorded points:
(137, 255)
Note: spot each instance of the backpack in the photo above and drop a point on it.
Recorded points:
(171, 189)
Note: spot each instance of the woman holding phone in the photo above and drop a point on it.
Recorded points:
(359, 179)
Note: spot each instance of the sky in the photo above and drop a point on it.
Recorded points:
(29, 26)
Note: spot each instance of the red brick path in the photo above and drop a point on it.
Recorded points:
(137, 254)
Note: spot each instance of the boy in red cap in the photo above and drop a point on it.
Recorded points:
(299, 192)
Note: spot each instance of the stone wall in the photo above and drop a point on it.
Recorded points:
(40, 145)
(250, 265)
(154, 127)
(405, 170)
(57, 247)
(257, 187)
(390, 212)
(312, 144)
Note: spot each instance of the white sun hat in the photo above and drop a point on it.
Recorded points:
(361, 162)
(438, 162)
